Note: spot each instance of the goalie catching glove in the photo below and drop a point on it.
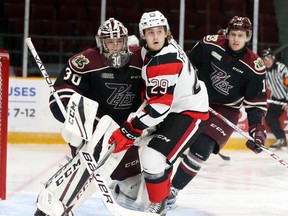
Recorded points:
(258, 133)
(124, 136)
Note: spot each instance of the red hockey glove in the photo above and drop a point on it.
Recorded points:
(124, 136)
(258, 132)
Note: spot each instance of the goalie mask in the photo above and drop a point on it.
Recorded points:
(242, 24)
(111, 39)
(152, 19)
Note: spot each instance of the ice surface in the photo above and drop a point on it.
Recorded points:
(249, 184)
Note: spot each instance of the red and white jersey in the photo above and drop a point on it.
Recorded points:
(172, 86)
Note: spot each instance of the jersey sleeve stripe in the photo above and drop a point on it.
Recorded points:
(166, 69)
(165, 99)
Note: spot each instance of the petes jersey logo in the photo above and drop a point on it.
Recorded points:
(219, 80)
(80, 61)
(259, 64)
(121, 97)
(212, 38)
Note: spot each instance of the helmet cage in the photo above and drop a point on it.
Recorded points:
(113, 29)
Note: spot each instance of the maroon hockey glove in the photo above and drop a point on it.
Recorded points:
(124, 136)
(258, 132)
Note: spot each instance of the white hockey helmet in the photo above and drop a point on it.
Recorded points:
(152, 19)
(133, 40)
(113, 29)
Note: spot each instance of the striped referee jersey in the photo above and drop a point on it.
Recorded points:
(276, 79)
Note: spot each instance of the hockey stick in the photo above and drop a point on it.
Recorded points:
(277, 102)
(102, 187)
(50, 84)
(272, 154)
(224, 157)
(45, 74)
(101, 184)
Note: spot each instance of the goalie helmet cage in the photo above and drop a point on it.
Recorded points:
(4, 79)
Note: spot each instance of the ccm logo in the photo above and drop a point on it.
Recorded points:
(68, 172)
(71, 114)
(218, 129)
(132, 163)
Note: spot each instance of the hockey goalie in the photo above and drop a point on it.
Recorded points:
(117, 177)
(111, 75)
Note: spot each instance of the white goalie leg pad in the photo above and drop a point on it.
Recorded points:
(78, 125)
(114, 159)
(48, 204)
(105, 143)
(89, 188)
(71, 185)
(142, 200)
(130, 186)
(132, 193)
(62, 189)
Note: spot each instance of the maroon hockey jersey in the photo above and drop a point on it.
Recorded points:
(232, 78)
(117, 90)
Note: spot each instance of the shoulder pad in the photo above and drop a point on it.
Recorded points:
(136, 59)
(86, 61)
(254, 62)
(214, 39)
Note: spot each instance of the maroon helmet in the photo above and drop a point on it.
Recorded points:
(113, 29)
(240, 23)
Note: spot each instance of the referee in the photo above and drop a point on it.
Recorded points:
(277, 82)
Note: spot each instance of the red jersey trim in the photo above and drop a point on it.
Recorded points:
(197, 115)
(183, 138)
(165, 99)
(164, 69)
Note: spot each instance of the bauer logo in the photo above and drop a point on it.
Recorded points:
(103, 189)
(91, 165)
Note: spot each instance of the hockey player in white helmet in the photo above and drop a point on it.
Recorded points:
(176, 104)
(133, 40)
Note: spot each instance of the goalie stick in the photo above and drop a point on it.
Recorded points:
(92, 166)
(272, 154)
(101, 184)
(45, 74)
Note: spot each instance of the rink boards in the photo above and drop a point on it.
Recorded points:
(30, 120)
